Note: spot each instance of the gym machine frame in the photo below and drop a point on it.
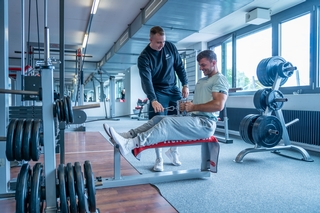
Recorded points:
(224, 123)
(48, 127)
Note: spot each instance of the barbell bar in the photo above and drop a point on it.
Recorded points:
(19, 92)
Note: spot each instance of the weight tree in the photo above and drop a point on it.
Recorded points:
(265, 131)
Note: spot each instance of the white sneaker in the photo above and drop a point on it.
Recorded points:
(126, 135)
(174, 157)
(107, 129)
(125, 145)
(158, 166)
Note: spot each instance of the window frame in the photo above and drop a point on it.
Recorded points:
(311, 7)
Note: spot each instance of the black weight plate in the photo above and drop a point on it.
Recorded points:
(270, 100)
(18, 137)
(54, 110)
(79, 187)
(249, 124)
(35, 141)
(90, 185)
(70, 111)
(62, 114)
(10, 137)
(62, 189)
(261, 131)
(71, 188)
(245, 128)
(41, 140)
(58, 110)
(259, 99)
(262, 73)
(35, 197)
(267, 71)
(65, 109)
(256, 100)
(273, 65)
(21, 195)
(286, 70)
(26, 140)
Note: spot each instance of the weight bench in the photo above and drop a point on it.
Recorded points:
(209, 160)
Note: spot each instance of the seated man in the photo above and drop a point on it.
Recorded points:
(210, 95)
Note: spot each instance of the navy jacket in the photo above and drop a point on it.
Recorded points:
(158, 70)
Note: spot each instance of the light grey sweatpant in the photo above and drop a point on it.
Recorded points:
(164, 128)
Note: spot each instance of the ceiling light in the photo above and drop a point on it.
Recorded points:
(95, 5)
(85, 40)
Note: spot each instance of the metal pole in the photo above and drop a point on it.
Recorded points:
(4, 100)
(47, 61)
(62, 82)
(22, 47)
(112, 95)
(62, 49)
(48, 125)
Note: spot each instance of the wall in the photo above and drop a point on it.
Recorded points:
(135, 88)
(104, 109)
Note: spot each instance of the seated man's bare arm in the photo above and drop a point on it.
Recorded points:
(217, 104)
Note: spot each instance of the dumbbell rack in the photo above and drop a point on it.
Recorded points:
(286, 145)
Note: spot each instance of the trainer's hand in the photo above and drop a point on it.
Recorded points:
(185, 92)
(157, 107)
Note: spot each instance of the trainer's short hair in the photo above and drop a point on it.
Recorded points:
(156, 29)
(208, 54)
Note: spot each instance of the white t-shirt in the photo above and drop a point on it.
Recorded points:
(203, 92)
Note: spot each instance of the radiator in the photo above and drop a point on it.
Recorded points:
(306, 130)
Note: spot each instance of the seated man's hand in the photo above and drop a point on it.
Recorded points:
(188, 106)
(181, 106)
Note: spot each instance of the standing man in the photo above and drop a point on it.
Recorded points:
(159, 64)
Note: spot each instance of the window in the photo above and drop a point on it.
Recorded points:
(251, 49)
(295, 48)
(317, 42)
(119, 88)
(224, 58)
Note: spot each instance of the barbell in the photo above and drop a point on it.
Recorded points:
(23, 92)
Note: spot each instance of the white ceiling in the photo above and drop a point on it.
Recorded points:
(114, 16)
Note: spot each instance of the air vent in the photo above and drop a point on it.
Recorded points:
(124, 38)
(152, 7)
(108, 55)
